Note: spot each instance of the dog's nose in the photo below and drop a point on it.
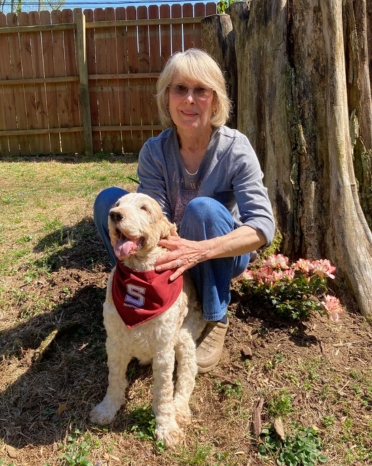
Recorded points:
(116, 216)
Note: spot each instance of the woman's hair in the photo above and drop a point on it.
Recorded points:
(196, 65)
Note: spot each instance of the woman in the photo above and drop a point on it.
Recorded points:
(207, 179)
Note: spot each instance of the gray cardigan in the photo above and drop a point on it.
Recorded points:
(229, 172)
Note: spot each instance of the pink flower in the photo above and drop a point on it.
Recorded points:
(247, 275)
(277, 261)
(264, 274)
(323, 268)
(333, 306)
(303, 265)
(289, 273)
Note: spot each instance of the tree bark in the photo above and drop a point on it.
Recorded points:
(218, 36)
(304, 99)
(356, 39)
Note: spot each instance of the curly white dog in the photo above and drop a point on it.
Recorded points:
(143, 322)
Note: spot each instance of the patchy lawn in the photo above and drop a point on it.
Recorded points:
(316, 377)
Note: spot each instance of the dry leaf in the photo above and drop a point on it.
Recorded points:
(279, 428)
(12, 452)
(60, 409)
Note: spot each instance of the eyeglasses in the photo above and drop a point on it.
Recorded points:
(200, 92)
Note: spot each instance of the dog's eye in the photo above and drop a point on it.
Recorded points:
(117, 204)
(145, 208)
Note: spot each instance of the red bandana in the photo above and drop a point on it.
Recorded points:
(141, 296)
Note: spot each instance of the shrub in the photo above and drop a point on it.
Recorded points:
(292, 291)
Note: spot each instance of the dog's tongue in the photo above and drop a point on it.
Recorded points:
(124, 247)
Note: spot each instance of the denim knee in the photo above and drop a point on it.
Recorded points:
(205, 218)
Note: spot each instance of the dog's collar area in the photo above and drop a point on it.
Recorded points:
(142, 296)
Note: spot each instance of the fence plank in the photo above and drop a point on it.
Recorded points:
(123, 89)
(60, 70)
(210, 9)
(83, 81)
(41, 143)
(72, 87)
(6, 96)
(113, 85)
(176, 12)
(51, 88)
(16, 73)
(102, 84)
(155, 63)
(165, 36)
(199, 11)
(28, 89)
(144, 67)
(92, 70)
(135, 102)
(188, 29)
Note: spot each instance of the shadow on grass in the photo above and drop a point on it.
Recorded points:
(75, 247)
(46, 398)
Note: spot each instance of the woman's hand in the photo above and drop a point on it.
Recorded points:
(183, 254)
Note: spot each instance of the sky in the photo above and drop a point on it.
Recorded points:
(32, 5)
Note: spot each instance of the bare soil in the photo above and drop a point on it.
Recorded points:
(46, 395)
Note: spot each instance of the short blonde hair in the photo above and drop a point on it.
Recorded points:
(196, 65)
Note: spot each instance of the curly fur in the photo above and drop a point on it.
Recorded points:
(162, 340)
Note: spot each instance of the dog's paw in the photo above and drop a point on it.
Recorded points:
(183, 415)
(170, 435)
(104, 413)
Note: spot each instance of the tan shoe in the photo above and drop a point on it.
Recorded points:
(209, 346)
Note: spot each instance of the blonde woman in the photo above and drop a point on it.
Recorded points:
(208, 180)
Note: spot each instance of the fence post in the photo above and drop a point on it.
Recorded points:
(84, 85)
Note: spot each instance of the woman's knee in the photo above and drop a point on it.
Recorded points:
(205, 218)
(106, 199)
(204, 209)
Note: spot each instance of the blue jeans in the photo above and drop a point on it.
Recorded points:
(204, 218)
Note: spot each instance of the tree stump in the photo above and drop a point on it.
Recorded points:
(304, 100)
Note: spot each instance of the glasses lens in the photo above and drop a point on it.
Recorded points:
(200, 92)
(178, 89)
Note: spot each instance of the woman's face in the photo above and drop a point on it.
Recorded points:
(191, 104)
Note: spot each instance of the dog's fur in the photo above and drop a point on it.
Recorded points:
(169, 336)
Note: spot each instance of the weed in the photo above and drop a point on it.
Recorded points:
(280, 404)
(328, 421)
(76, 452)
(302, 447)
(229, 390)
(195, 458)
(144, 425)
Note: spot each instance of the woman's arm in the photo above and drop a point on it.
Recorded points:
(184, 254)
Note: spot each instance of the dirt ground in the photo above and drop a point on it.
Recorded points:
(48, 394)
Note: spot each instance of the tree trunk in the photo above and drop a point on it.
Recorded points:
(356, 29)
(218, 33)
(303, 88)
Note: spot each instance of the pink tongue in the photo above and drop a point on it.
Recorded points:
(125, 246)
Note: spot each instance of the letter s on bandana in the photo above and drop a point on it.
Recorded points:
(141, 296)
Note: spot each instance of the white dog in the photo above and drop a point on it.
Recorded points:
(162, 334)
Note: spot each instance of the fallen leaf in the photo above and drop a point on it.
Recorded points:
(60, 409)
(279, 428)
(12, 452)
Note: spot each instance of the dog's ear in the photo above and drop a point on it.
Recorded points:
(167, 229)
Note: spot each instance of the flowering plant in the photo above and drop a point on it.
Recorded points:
(293, 291)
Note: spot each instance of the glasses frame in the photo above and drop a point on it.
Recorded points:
(203, 93)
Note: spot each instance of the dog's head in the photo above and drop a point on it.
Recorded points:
(136, 224)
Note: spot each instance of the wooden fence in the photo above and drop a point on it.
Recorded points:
(75, 82)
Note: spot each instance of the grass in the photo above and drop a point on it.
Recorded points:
(53, 273)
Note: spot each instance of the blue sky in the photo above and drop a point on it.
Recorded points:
(32, 5)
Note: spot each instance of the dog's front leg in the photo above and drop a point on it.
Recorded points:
(117, 360)
(186, 373)
(166, 428)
